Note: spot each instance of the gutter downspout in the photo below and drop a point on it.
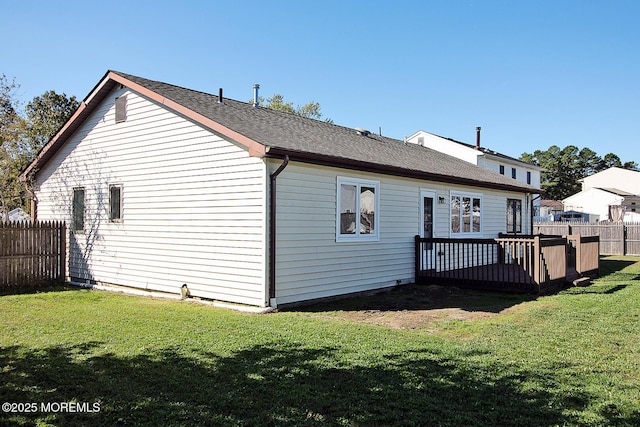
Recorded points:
(272, 228)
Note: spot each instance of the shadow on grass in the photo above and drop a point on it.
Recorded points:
(611, 269)
(278, 384)
(36, 289)
(609, 280)
(423, 297)
(593, 289)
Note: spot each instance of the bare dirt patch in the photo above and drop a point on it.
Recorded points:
(419, 306)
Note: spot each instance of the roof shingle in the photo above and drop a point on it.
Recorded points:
(309, 140)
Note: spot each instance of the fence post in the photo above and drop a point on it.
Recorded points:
(537, 261)
(417, 255)
(63, 252)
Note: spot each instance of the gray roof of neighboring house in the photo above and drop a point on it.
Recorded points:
(489, 152)
(617, 192)
(300, 138)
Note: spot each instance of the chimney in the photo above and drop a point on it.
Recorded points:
(220, 99)
(255, 94)
(478, 138)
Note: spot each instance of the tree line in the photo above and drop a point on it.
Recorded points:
(24, 130)
(563, 168)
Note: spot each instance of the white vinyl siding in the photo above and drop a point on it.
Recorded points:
(193, 211)
(311, 264)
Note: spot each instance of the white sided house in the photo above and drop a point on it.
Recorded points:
(163, 186)
(480, 156)
(609, 195)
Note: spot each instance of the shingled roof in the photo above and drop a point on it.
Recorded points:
(272, 133)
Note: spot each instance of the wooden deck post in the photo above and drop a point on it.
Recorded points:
(537, 263)
(417, 260)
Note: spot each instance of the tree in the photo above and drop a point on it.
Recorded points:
(22, 135)
(11, 129)
(45, 115)
(589, 162)
(563, 168)
(310, 110)
(611, 160)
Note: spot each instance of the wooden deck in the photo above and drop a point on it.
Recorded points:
(526, 264)
(502, 277)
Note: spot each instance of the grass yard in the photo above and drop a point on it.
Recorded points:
(568, 359)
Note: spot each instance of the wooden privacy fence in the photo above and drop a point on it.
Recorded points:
(615, 238)
(531, 264)
(32, 254)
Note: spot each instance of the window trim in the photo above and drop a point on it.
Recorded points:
(472, 197)
(120, 218)
(516, 224)
(77, 222)
(359, 184)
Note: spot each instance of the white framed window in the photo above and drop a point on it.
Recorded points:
(466, 214)
(358, 210)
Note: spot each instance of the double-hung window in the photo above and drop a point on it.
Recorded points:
(466, 214)
(358, 210)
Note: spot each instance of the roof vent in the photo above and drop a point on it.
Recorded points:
(256, 99)
(362, 132)
(220, 99)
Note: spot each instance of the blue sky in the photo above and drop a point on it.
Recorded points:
(531, 73)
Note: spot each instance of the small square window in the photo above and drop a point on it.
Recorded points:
(121, 109)
(115, 203)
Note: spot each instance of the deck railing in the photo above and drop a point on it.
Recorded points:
(583, 253)
(534, 264)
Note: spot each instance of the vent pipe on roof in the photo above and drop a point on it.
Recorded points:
(255, 94)
(478, 137)
(220, 99)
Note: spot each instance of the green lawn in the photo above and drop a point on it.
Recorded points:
(567, 359)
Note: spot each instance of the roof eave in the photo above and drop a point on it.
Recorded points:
(325, 160)
(254, 148)
(99, 92)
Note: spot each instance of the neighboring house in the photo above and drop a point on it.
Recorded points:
(480, 156)
(610, 195)
(15, 215)
(549, 210)
(163, 186)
